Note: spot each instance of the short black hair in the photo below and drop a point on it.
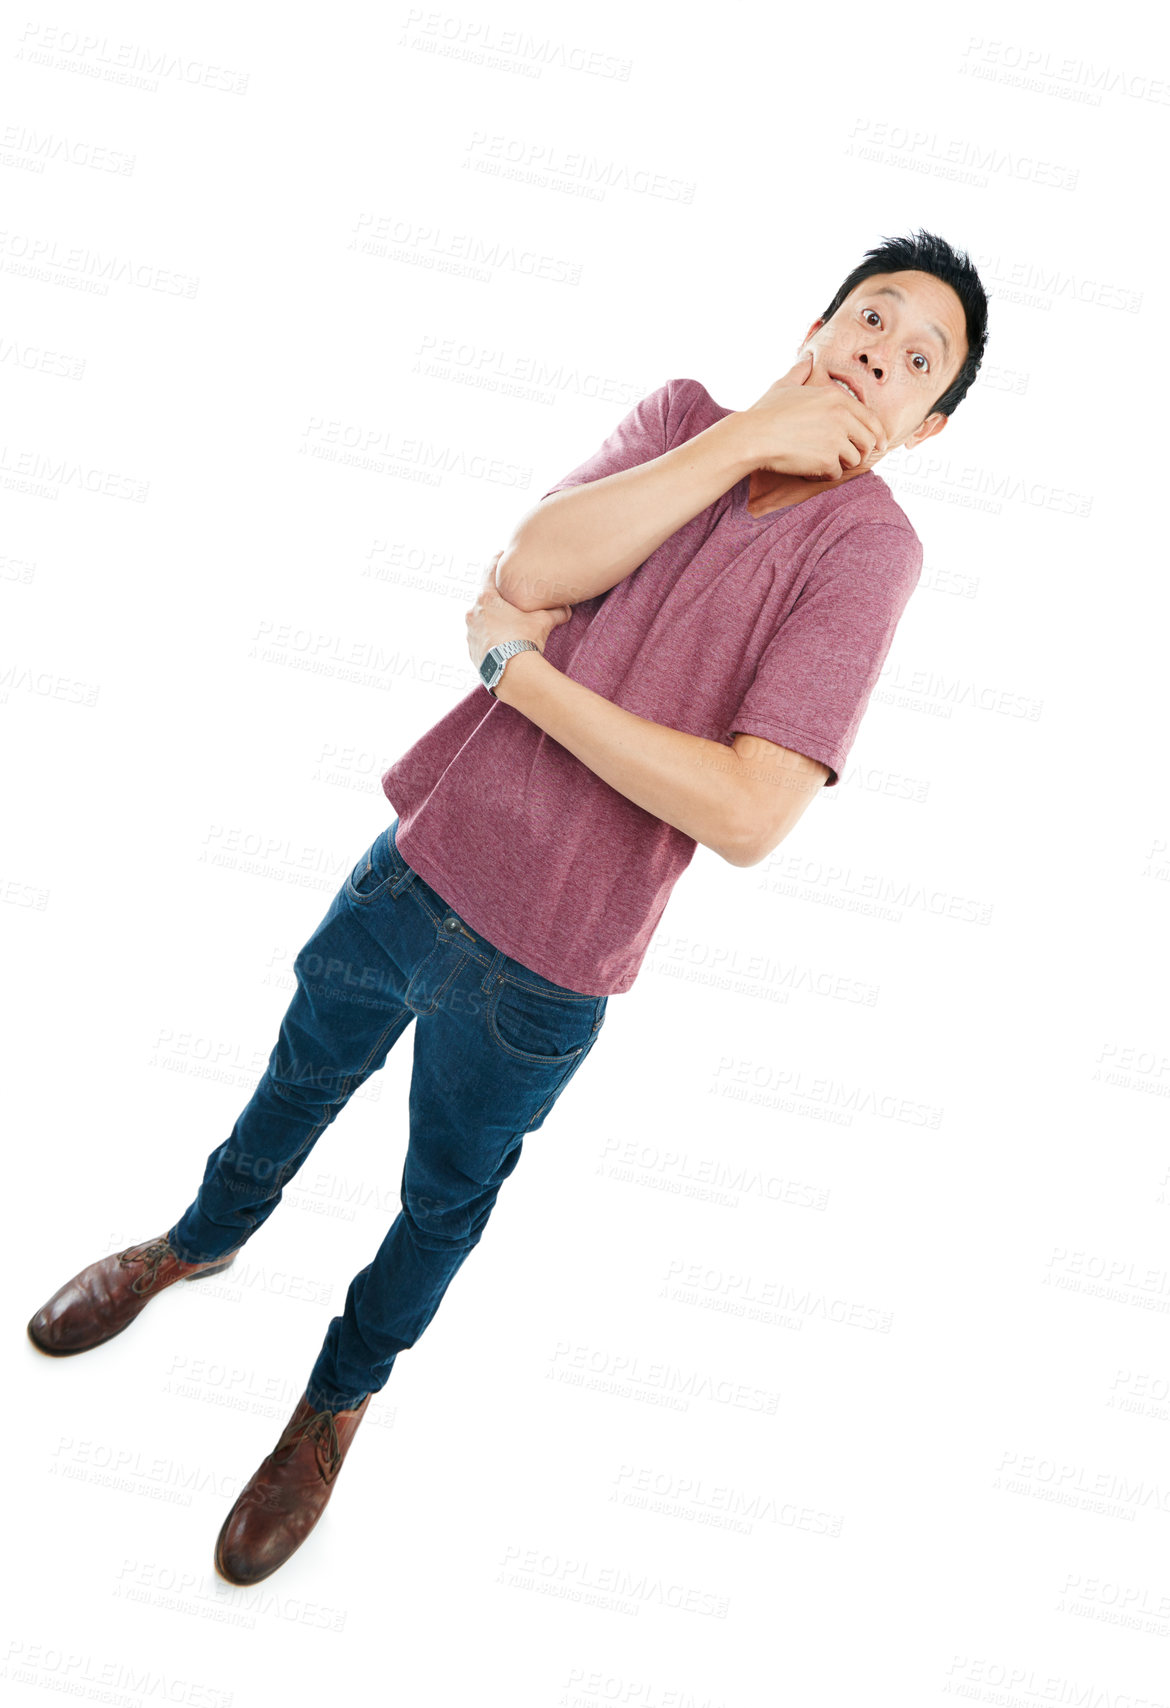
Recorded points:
(924, 252)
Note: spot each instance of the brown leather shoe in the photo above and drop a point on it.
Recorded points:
(106, 1297)
(282, 1501)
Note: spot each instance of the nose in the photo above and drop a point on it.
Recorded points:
(873, 368)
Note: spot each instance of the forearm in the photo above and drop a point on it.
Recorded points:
(691, 783)
(584, 540)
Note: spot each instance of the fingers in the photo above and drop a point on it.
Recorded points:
(869, 419)
(864, 429)
(866, 445)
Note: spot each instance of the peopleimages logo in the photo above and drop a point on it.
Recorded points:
(547, 164)
(981, 488)
(1039, 70)
(1036, 283)
(957, 158)
(480, 42)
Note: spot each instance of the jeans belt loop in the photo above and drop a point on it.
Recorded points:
(403, 881)
(494, 972)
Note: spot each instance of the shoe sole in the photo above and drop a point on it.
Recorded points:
(72, 1351)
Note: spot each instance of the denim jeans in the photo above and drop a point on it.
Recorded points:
(494, 1047)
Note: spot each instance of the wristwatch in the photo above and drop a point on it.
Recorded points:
(496, 657)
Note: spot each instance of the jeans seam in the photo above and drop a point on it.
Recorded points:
(559, 1087)
(457, 968)
(543, 990)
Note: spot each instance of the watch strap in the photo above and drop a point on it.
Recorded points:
(500, 656)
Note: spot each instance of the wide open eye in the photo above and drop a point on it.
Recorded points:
(917, 353)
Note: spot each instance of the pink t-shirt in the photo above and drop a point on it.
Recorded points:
(776, 626)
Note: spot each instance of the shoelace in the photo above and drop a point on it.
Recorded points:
(152, 1254)
(323, 1431)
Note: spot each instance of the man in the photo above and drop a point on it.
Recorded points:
(677, 646)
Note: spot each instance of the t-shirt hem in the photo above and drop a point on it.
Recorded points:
(497, 938)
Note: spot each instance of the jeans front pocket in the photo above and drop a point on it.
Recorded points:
(535, 1026)
(372, 873)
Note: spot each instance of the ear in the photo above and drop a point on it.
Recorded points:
(932, 425)
(815, 327)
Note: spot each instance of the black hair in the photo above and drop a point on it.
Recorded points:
(924, 252)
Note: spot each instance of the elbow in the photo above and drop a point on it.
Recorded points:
(527, 583)
(744, 852)
(513, 585)
(752, 847)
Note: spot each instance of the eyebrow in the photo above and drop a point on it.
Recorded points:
(900, 296)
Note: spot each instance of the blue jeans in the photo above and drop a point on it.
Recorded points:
(494, 1047)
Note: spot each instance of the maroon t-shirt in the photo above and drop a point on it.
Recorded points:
(775, 625)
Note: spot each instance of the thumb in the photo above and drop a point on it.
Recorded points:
(798, 373)
(554, 615)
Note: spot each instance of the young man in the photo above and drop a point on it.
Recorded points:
(676, 647)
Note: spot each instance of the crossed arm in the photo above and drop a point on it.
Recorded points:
(740, 801)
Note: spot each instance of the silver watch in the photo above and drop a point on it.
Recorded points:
(496, 657)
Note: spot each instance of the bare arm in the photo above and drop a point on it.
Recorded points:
(740, 802)
(584, 540)
(693, 784)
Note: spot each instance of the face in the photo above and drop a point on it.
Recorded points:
(891, 349)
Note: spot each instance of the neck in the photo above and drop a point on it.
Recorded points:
(770, 491)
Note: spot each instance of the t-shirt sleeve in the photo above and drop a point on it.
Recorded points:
(647, 431)
(816, 675)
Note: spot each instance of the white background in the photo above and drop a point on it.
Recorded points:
(883, 1418)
